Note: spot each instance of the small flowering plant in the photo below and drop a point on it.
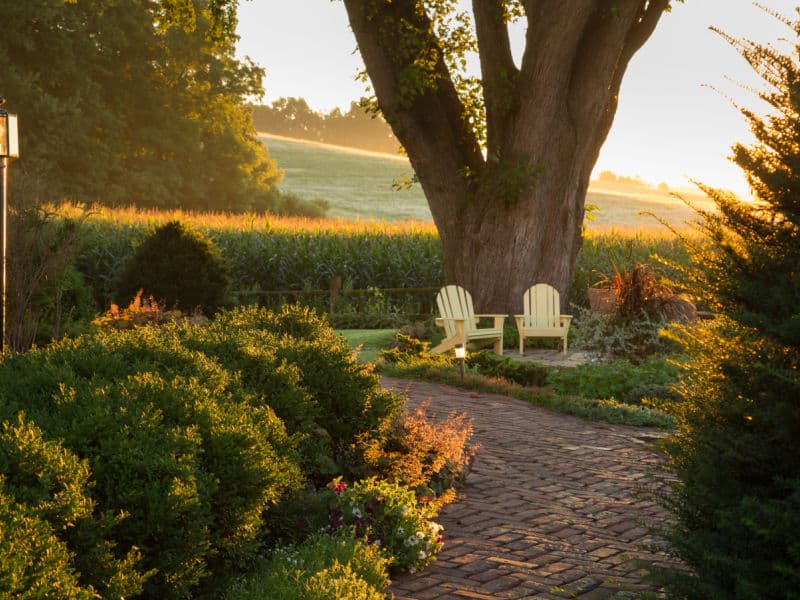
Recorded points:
(388, 515)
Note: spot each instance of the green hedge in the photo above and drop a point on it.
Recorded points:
(154, 461)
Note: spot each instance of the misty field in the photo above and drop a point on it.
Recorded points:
(358, 185)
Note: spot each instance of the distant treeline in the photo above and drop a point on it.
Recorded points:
(357, 128)
(611, 177)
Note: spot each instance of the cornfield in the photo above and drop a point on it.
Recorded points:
(270, 255)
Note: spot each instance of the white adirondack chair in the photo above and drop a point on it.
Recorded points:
(461, 323)
(542, 315)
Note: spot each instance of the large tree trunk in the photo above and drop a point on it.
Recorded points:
(514, 218)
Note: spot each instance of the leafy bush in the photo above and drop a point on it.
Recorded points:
(324, 567)
(523, 373)
(36, 564)
(621, 379)
(139, 312)
(610, 337)
(333, 399)
(389, 516)
(427, 456)
(185, 462)
(45, 294)
(637, 292)
(180, 267)
(51, 534)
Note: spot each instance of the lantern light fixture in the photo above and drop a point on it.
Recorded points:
(461, 354)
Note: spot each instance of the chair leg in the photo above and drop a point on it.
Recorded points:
(446, 345)
(498, 347)
(565, 344)
(521, 345)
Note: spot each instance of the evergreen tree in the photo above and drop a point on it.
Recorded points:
(736, 501)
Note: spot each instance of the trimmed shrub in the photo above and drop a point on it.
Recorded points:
(324, 567)
(185, 464)
(52, 532)
(36, 564)
(294, 362)
(179, 267)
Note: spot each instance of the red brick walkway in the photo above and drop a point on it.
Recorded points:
(551, 502)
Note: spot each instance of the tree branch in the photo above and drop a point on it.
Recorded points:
(499, 73)
(649, 15)
(415, 92)
(609, 41)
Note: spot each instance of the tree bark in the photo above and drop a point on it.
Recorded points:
(513, 218)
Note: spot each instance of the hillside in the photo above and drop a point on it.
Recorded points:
(358, 185)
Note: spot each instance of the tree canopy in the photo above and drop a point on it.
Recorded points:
(357, 128)
(133, 101)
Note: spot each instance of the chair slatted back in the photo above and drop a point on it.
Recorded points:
(455, 302)
(542, 307)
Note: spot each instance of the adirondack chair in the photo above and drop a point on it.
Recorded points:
(542, 315)
(461, 323)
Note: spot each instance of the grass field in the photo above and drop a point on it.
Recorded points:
(358, 185)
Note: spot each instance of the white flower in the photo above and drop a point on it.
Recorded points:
(377, 542)
(412, 541)
(412, 570)
(400, 531)
(420, 535)
(422, 555)
(356, 512)
(404, 510)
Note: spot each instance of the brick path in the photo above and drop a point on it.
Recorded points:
(551, 502)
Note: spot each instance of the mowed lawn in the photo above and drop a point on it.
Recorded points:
(370, 341)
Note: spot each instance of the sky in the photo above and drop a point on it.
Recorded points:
(675, 121)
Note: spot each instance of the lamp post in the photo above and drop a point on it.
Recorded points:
(9, 148)
(461, 354)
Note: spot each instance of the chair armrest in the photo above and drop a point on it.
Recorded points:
(566, 319)
(498, 319)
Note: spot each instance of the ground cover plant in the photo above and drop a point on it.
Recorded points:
(322, 567)
(410, 359)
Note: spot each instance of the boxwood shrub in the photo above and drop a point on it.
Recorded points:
(151, 462)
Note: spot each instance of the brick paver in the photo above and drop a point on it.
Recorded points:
(551, 508)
